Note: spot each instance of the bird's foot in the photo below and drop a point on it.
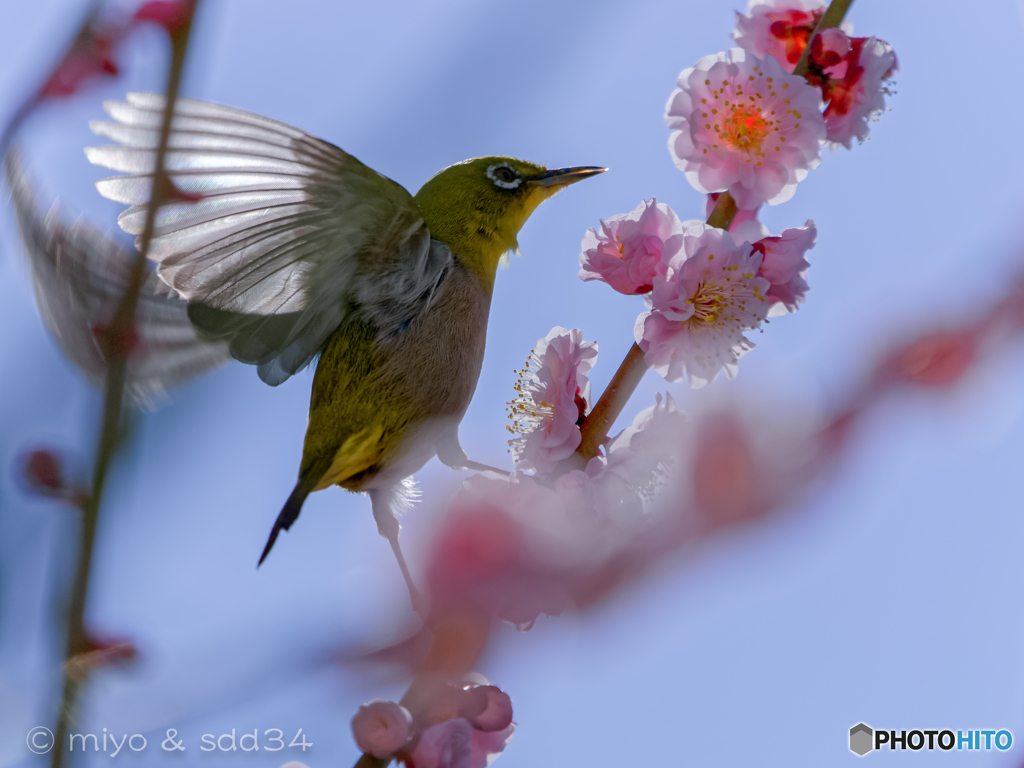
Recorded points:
(419, 602)
(388, 527)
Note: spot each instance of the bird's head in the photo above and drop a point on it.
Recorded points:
(477, 207)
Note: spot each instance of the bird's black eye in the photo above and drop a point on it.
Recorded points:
(504, 175)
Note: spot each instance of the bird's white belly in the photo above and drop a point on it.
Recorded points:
(416, 451)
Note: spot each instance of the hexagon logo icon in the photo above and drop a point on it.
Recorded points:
(862, 739)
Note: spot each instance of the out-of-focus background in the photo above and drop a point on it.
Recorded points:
(891, 595)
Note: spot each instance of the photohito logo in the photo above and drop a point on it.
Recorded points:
(864, 739)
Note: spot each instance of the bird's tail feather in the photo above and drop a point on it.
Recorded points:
(289, 513)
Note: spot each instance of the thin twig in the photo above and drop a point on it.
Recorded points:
(116, 344)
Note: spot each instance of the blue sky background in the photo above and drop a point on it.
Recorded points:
(892, 596)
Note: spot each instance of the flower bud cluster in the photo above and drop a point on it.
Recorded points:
(465, 725)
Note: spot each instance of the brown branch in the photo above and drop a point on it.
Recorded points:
(116, 347)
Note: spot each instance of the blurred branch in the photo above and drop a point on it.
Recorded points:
(117, 344)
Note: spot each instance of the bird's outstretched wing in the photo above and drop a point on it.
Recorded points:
(276, 236)
(79, 276)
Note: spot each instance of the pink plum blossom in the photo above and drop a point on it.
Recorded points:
(700, 309)
(552, 395)
(626, 253)
(743, 125)
(779, 28)
(785, 267)
(381, 728)
(855, 90)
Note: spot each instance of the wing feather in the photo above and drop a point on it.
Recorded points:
(79, 276)
(289, 233)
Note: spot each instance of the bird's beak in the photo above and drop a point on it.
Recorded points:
(564, 176)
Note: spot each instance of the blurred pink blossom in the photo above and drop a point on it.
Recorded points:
(639, 456)
(626, 253)
(496, 549)
(855, 90)
(43, 471)
(743, 125)
(780, 28)
(92, 53)
(700, 309)
(552, 396)
(456, 744)
(172, 15)
(496, 712)
(485, 706)
(381, 728)
(935, 359)
(741, 458)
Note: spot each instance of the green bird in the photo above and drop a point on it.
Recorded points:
(288, 248)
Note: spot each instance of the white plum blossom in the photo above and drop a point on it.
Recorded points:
(552, 395)
(745, 126)
(626, 253)
(700, 309)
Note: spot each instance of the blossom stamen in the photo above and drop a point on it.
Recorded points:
(746, 128)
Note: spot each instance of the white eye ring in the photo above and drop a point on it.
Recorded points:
(504, 184)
